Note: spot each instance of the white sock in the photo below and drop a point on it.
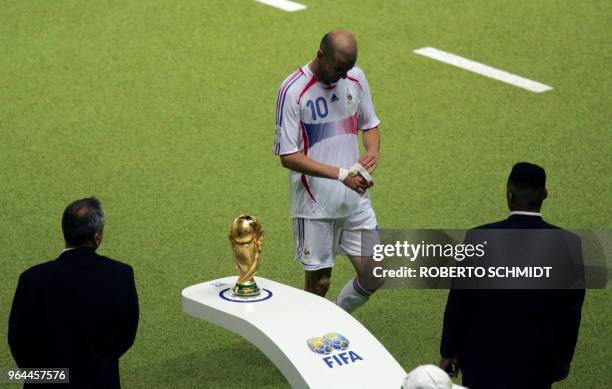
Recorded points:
(352, 296)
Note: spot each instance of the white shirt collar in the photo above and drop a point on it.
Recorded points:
(306, 69)
(66, 249)
(526, 213)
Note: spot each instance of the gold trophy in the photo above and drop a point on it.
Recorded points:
(246, 237)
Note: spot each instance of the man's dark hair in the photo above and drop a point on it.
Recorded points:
(81, 220)
(527, 183)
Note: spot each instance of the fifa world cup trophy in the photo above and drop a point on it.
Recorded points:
(246, 237)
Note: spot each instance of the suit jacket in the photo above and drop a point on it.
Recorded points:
(514, 338)
(79, 311)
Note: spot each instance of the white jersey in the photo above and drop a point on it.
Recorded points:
(322, 122)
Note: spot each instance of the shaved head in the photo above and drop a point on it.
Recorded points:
(336, 56)
(340, 43)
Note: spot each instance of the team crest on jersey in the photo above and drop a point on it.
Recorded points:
(334, 98)
(349, 97)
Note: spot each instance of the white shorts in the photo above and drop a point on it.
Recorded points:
(318, 241)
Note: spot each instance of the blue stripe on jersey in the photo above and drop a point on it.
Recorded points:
(280, 114)
(281, 91)
(318, 131)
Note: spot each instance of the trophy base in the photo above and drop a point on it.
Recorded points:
(246, 290)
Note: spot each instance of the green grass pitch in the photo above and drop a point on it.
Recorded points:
(165, 111)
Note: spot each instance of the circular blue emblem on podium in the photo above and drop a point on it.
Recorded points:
(226, 294)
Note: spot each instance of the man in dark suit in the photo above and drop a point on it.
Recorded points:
(508, 336)
(79, 311)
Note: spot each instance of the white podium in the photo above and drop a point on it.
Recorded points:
(282, 319)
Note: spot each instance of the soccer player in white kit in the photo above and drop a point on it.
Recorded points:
(320, 109)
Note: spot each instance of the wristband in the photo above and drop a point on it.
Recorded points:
(342, 174)
(357, 169)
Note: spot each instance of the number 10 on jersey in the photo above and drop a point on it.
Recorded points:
(319, 107)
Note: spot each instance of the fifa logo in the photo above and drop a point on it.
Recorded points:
(330, 343)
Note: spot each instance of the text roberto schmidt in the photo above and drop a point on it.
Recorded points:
(464, 272)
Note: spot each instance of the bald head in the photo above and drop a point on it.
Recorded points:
(336, 56)
(340, 44)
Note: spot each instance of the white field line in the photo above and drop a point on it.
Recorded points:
(285, 5)
(483, 69)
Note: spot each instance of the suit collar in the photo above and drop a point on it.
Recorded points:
(526, 213)
(521, 218)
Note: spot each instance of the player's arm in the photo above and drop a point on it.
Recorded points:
(368, 124)
(302, 164)
(371, 143)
